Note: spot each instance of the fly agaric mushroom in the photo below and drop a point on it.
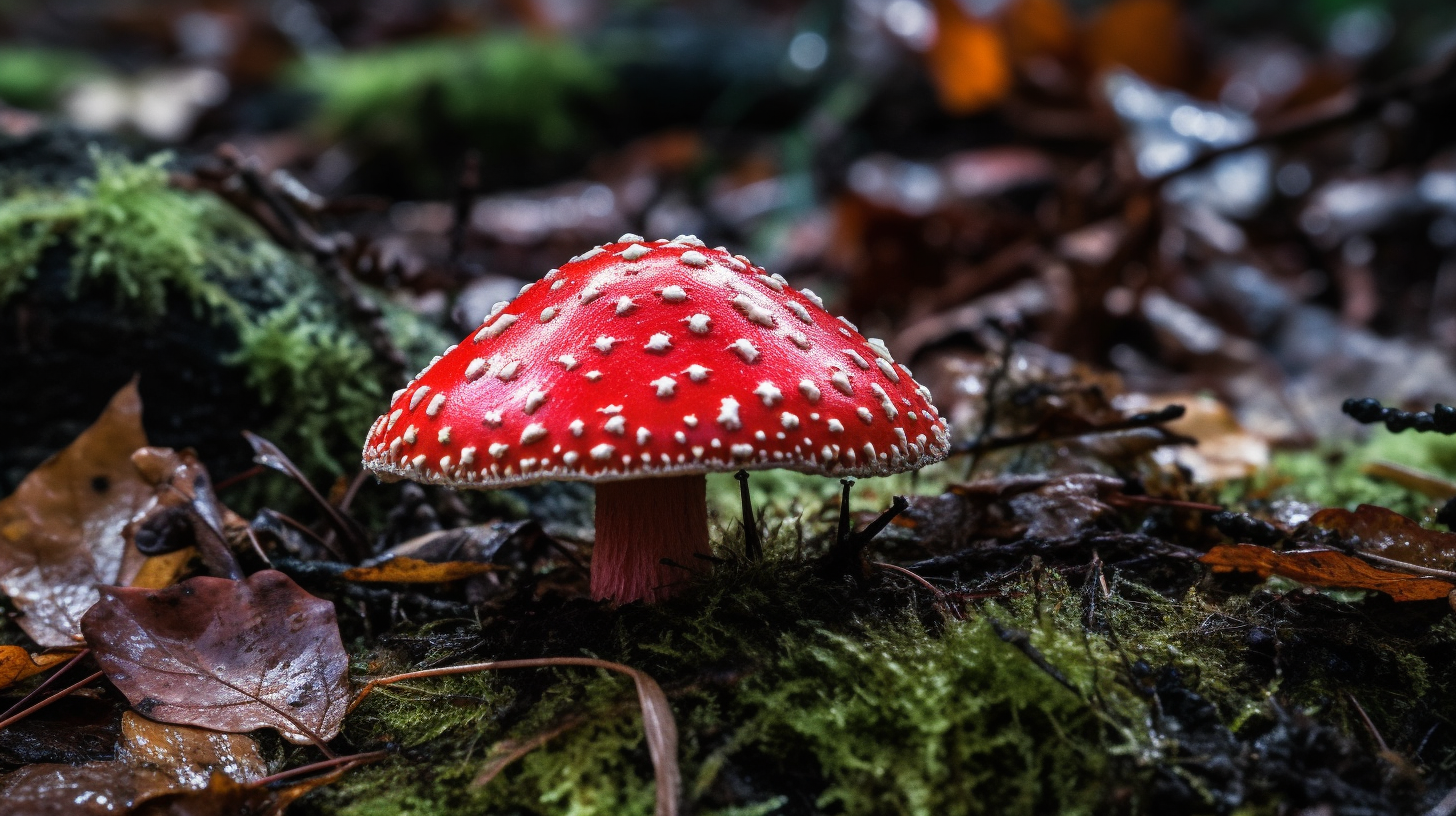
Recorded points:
(642, 366)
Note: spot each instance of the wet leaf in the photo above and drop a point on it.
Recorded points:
(152, 759)
(404, 570)
(61, 531)
(17, 663)
(1225, 450)
(229, 655)
(1388, 533)
(224, 796)
(1325, 568)
(184, 512)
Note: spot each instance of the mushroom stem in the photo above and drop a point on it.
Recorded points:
(641, 522)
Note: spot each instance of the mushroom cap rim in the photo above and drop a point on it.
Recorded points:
(393, 473)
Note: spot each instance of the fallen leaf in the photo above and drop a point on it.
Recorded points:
(968, 62)
(1145, 36)
(184, 511)
(1325, 568)
(17, 663)
(1385, 532)
(61, 531)
(404, 570)
(1039, 27)
(224, 796)
(228, 655)
(185, 756)
(152, 759)
(1225, 450)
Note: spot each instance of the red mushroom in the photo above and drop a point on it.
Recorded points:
(641, 366)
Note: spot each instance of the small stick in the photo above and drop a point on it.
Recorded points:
(897, 506)
(1369, 726)
(1144, 420)
(1157, 502)
(843, 531)
(239, 478)
(751, 546)
(940, 595)
(9, 721)
(1022, 641)
(55, 675)
(352, 759)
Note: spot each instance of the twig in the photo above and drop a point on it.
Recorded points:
(13, 719)
(1022, 641)
(842, 532)
(239, 478)
(1154, 501)
(302, 770)
(940, 596)
(992, 382)
(1367, 411)
(1144, 420)
(751, 546)
(1369, 726)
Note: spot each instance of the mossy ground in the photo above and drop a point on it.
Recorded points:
(798, 694)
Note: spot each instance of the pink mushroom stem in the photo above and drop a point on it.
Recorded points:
(639, 523)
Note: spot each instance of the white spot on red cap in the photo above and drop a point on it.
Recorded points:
(624, 305)
(467, 456)
(864, 414)
(769, 393)
(567, 360)
(799, 311)
(491, 419)
(616, 425)
(728, 414)
(753, 311)
(694, 258)
(643, 436)
(418, 395)
(809, 390)
(603, 452)
(840, 380)
(674, 294)
(393, 418)
(691, 420)
(813, 298)
(548, 313)
(664, 386)
(835, 426)
(508, 371)
(855, 356)
(659, 342)
(498, 449)
(698, 323)
(436, 403)
(410, 435)
(577, 427)
(593, 375)
(772, 283)
(533, 433)
(634, 252)
(475, 370)
(789, 421)
(535, 400)
(888, 370)
(744, 349)
(697, 373)
(604, 343)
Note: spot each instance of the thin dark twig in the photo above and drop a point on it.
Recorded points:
(55, 675)
(940, 596)
(239, 478)
(359, 479)
(752, 549)
(993, 381)
(1022, 641)
(11, 720)
(1369, 726)
(1136, 421)
(842, 533)
(352, 759)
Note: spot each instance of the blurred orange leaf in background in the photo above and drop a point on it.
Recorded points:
(968, 62)
(1145, 36)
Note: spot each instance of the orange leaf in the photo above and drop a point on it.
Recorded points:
(16, 663)
(968, 63)
(1039, 27)
(402, 570)
(1388, 533)
(1145, 36)
(1325, 568)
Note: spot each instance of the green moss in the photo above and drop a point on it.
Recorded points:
(127, 230)
(36, 77)
(1331, 475)
(502, 90)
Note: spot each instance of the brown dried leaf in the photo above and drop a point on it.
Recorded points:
(224, 796)
(1145, 36)
(404, 570)
(1388, 533)
(152, 760)
(1325, 568)
(1225, 450)
(229, 655)
(16, 663)
(61, 531)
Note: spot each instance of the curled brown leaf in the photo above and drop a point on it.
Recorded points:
(1387, 533)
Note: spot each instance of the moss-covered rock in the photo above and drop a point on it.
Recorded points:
(109, 271)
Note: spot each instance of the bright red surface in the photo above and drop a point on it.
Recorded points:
(655, 435)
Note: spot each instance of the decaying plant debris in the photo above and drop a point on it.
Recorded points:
(1159, 275)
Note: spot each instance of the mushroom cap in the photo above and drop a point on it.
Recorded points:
(656, 358)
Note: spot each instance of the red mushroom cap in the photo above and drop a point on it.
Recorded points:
(657, 358)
